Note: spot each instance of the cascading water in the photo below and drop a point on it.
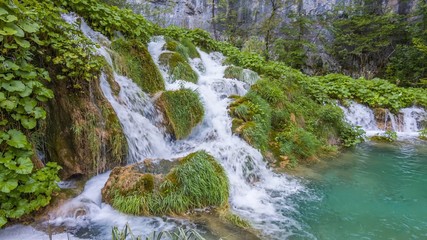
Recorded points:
(407, 123)
(256, 193)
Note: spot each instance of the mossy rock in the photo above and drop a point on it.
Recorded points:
(197, 181)
(178, 67)
(182, 110)
(233, 72)
(83, 133)
(185, 47)
(133, 60)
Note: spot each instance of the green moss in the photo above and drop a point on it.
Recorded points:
(236, 220)
(178, 68)
(197, 181)
(109, 74)
(183, 111)
(133, 60)
(191, 48)
(233, 72)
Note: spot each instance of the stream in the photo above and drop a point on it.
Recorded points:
(372, 192)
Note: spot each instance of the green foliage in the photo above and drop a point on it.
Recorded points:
(178, 67)
(183, 111)
(374, 93)
(198, 181)
(133, 60)
(23, 189)
(387, 136)
(178, 234)
(111, 20)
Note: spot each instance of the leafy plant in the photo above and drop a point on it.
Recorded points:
(387, 136)
(178, 234)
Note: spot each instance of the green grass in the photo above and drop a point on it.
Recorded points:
(133, 60)
(183, 111)
(197, 181)
(178, 67)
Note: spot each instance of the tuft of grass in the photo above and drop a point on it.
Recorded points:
(197, 181)
(178, 67)
(183, 111)
(133, 60)
(191, 48)
(179, 234)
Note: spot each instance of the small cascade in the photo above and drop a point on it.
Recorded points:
(406, 123)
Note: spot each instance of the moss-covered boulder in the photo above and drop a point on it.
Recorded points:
(178, 67)
(182, 111)
(196, 181)
(132, 59)
(184, 47)
(241, 74)
(83, 133)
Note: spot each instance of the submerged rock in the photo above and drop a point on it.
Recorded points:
(195, 181)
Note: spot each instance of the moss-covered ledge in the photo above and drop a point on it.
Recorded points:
(182, 110)
(196, 181)
(132, 59)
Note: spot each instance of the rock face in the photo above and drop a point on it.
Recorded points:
(198, 13)
(83, 133)
(195, 181)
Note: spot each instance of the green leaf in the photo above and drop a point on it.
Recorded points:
(3, 221)
(8, 31)
(8, 105)
(13, 86)
(23, 43)
(29, 104)
(2, 96)
(10, 65)
(9, 18)
(3, 11)
(28, 123)
(27, 92)
(3, 123)
(29, 27)
(39, 113)
(25, 166)
(8, 185)
(17, 139)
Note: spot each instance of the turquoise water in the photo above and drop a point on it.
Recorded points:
(374, 191)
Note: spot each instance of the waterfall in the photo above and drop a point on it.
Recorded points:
(256, 193)
(406, 123)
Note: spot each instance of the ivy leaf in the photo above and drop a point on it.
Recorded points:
(8, 185)
(17, 139)
(28, 123)
(13, 86)
(25, 166)
(23, 43)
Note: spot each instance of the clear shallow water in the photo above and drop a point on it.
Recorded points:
(374, 191)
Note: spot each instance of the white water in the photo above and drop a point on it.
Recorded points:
(407, 123)
(256, 193)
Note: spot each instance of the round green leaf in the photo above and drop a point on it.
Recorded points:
(28, 123)
(17, 139)
(29, 27)
(13, 86)
(8, 105)
(25, 166)
(2, 96)
(8, 185)
(23, 43)
(3, 11)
